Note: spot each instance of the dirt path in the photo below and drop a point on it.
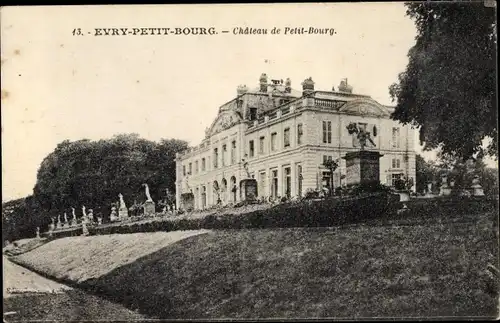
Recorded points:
(19, 280)
(29, 296)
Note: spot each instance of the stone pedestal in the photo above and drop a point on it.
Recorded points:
(404, 196)
(113, 217)
(123, 213)
(85, 230)
(476, 188)
(362, 167)
(445, 189)
(248, 189)
(149, 208)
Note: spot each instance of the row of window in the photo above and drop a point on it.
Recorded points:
(274, 141)
(327, 138)
(273, 189)
(204, 162)
(327, 133)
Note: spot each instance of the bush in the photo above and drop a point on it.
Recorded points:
(367, 187)
(311, 194)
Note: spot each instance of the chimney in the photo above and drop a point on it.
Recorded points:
(263, 82)
(288, 86)
(344, 87)
(242, 89)
(307, 86)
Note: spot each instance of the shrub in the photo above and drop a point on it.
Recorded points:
(311, 194)
(367, 187)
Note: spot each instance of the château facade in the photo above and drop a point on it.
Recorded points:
(281, 137)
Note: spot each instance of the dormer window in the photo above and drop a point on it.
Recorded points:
(253, 114)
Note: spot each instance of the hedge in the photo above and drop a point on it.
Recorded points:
(306, 213)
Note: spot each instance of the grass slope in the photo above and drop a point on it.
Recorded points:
(355, 271)
(72, 305)
(77, 259)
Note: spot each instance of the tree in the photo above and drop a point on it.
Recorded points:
(332, 165)
(426, 172)
(93, 173)
(449, 85)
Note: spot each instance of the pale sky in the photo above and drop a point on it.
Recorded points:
(57, 86)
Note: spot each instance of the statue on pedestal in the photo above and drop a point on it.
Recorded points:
(113, 216)
(73, 220)
(65, 219)
(444, 190)
(476, 188)
(91, 216)
(122, 211)
(52, 225)
(361, 134)
(429, 190)
(38, 232)
(149, 205)
(59, 224)
(84, 213)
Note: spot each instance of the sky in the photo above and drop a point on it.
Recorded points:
(58, 86)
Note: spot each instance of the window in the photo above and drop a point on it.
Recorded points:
(394, 178)
(299, 180)
(190, 168)
(396, 163)
(395, 137)
(233, 152)
(251, 148)
(216, 157)
(253, 114)
(196, 167)
(286, 137)
(299, 134)
(274, 184)
(261, 145)
(223, 155)
(262, 183)
(327, 132)
(184, 170)
(203, 164)
(326, 158)
(287, 178)
(273, 141)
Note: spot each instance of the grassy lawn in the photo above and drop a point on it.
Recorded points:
(354, 271)
(80, 258)
(72, 305)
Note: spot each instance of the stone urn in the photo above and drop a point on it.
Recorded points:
(476, 188)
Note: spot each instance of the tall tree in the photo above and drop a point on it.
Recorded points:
(93, 173)
(449, 85)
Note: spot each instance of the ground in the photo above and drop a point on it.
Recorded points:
(28, 296)
(356, 271)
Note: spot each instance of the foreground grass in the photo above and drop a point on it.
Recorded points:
(77, 259)
(356, 271)
(71, 305)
